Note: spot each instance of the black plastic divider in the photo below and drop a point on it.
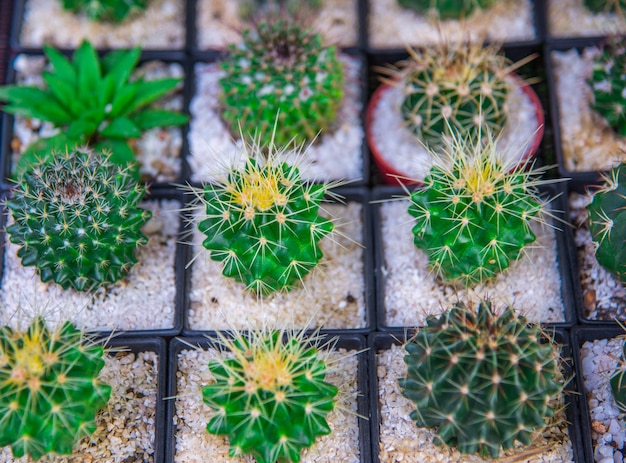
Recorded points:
(565, 254)
(580, 335)
(377, 342)
(349, 341)
(349, 194)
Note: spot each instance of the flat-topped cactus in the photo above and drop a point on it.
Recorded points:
(106, 10)
(77, 219)
(447, 9)
(484, 380)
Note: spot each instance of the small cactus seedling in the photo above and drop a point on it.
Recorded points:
(49, 388)
(447, 9)
(618, 382)
(483, 380)
(270, 397)
(105, 10)
(77, 220)
(608, 82)
(457, 87)
(607, 218)
(283, 69)
(606, 6)
(474, 211)
(262, 221)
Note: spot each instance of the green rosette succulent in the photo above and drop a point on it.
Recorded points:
(270, 397)
(106, 10)
(607, 218)
(91, 101)
(263, 223)
(473, 214)
(77, 220)
(50, 393)
(281, 83)
(447, 9)
(483, 380)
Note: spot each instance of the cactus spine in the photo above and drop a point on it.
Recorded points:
(607, 216)
(270, 397)
(447, 9)
(76, 219)
(49, 388)
(106, 10)
(618, 382)
(483, 380)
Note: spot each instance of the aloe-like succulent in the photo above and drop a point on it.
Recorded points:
(77, 219)
(262, 221)
(608, 82)
(473, 214)
(607, 222)
(50, 393)
(447, 9)
(92, 101)
(270, 396)
(483, 380)
(455, 87)
(281, 71)
(606, 6)
(106, 10)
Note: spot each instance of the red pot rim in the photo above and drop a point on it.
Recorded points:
(391, 176)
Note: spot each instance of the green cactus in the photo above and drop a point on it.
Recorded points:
(608, 82)
(447, 9)
(49, 388)
(270, 397)
(77, 220)
(281, 71)
(618, 382)
(458, 87)
(606, 6)
(474, 211)
(606, 219)
(92, 101)
(252, 9)
(106, 10)
(262, 221)
(483, 380)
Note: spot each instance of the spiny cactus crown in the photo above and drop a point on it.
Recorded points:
(456, 87)
(270, 396)
(285, 70)
(262, 221)
(483, 380)
(608, 82)
(49, 388)
(618, 382)
(77, 220)
(447, 9)
(474, 211)
(106, 10)
(607, 222)
(606, 6)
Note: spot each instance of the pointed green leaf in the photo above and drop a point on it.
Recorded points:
(62, 66)
(121, 127)
(107, 91)
(151, 118)
(64, 93)
(82, 128)
(151, 90)
(122, 100)
(34, 103)
(119, 64)
(87, 66)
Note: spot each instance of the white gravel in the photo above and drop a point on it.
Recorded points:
(195, 445)
(599, 359)
(411, 292)
(587, 141)
(391, 26)
(160, 26)
(402, 441)
(144, 300)
(336, 155)
(570, 18)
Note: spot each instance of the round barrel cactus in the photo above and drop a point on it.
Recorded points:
(50, 393)
(106, 10)
(607, 219)
(484, 380)
(270, 397)
(447, 9)
(76, 219)
(281, 73)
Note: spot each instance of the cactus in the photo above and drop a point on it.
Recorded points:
(608, 82)
(281, 70)
(474, 211)
(262, 221)
(483, 380)
(270, 397)
(458, 87)
(77, 220)
(447, 9)
(252, 9)
(606, 219)
(49, 388)
(618, 382)
(106, 10)
(604, 6)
